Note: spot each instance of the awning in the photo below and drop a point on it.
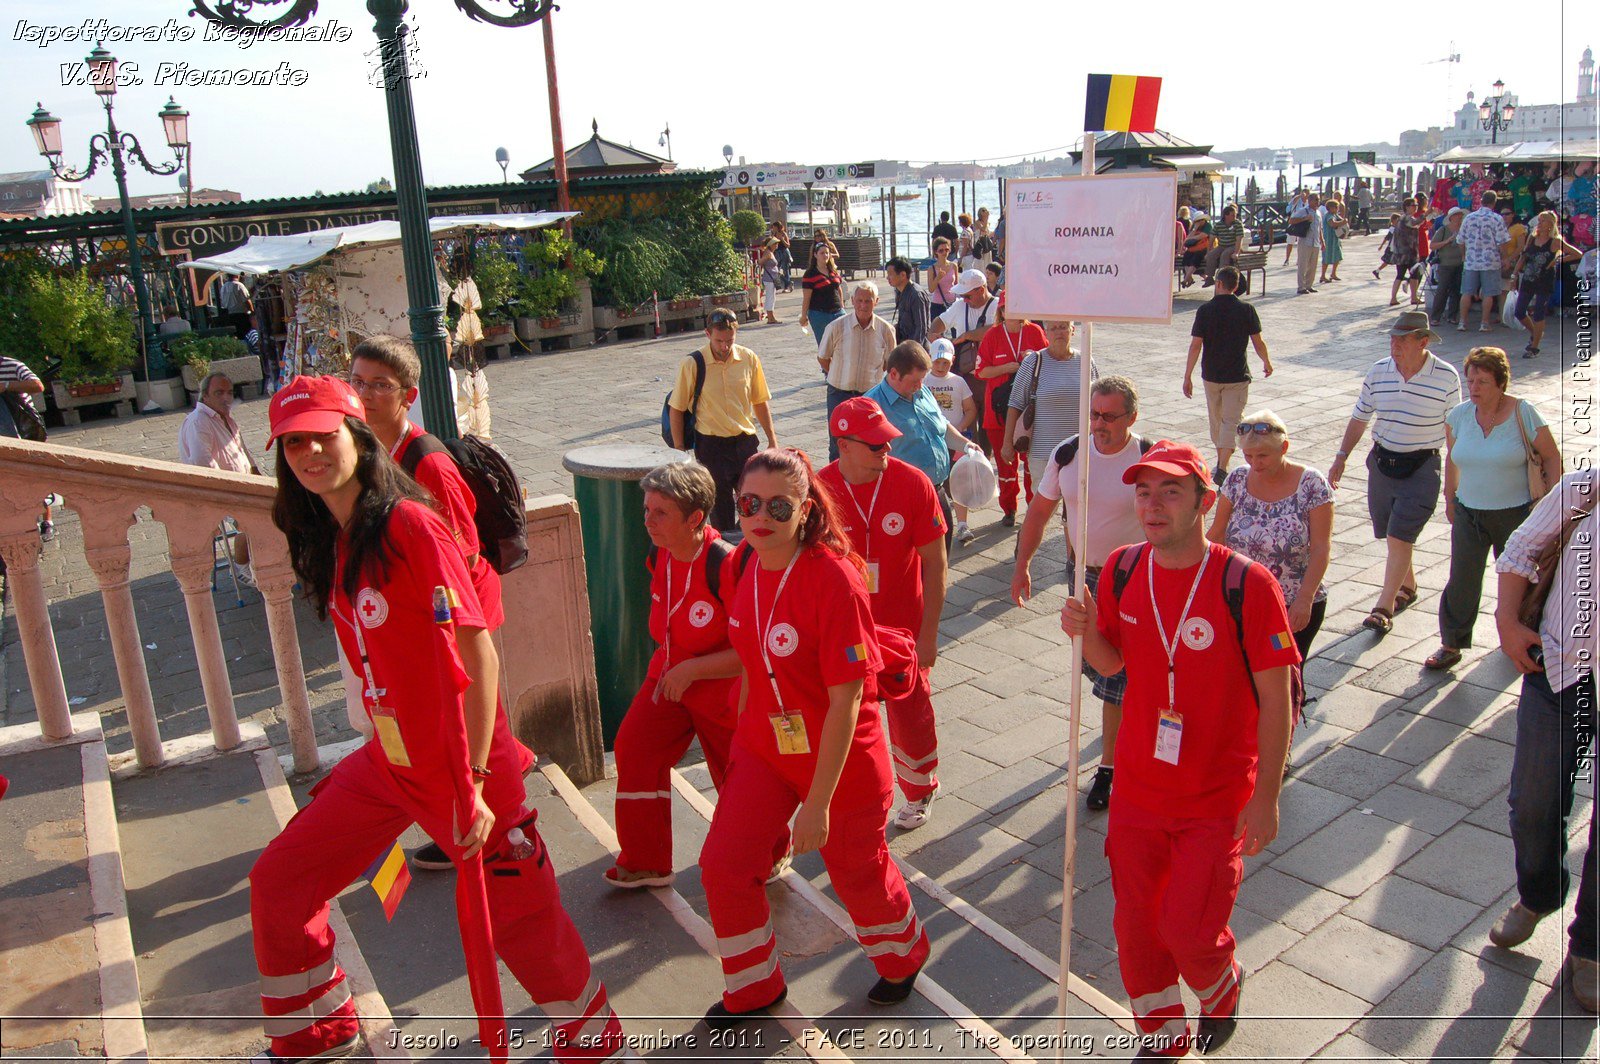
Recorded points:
(1350, 169)
(1189, 162)
(277, 254)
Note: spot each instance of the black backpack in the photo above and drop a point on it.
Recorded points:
(1068, 450)
(688, 415)
(1233, 577)
(498, 505)
(716, 556)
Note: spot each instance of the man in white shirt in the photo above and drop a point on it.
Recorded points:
(853, 351)
(209, 437)
(1555, 723)
(966, 321)
(1113, 522)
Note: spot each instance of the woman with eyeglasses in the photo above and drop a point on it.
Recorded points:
(1044, 397)
(372, 555)
(1279, 513)
(808, 737)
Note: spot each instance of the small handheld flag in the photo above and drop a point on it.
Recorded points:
(1121, 103)
(389, 877)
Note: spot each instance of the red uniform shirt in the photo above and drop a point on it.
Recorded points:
(412, 652)
(999, 348)
(888, 521)
(438, 473)
(818, 632)
(1216, 770)
(682, 605)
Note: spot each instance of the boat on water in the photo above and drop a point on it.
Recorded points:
(1282, 159)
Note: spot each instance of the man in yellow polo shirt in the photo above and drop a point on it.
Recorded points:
(733, 398)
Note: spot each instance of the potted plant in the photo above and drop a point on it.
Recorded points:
(748, 227)
(80, 342)
(558, 271)
(197, 355)
(497, 279)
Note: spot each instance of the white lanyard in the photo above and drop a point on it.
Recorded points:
(673, 607)
(1016, 346)
(761, 635)
(866, 515)
(1171, 648)
(372, 690)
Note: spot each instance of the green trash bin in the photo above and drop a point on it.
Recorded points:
(605, 482)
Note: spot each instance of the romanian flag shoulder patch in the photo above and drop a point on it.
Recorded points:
(1121, 103)
(389, 877)
(445, 603)
(1282, 641)
(856, 654)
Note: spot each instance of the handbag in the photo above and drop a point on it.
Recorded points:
(30, 426)
(1022, 438)
(1399, 465)
(1300, 228)
(1531, 610)
(1536, 485)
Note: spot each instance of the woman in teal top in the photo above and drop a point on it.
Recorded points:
(1486, 492)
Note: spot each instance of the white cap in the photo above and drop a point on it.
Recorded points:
(942, 349)
(970, 281)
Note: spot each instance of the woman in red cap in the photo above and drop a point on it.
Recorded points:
(808, 738)
(370, 551)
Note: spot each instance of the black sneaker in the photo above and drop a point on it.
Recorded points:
(888, 992)
(1008, 519)
(1214, 1031)
(718, 1018)
(431, 857)
(1099, 796)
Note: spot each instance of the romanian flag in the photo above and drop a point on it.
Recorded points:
(1121, 103)
(389, 878)
(856, 654)
(1282, 641)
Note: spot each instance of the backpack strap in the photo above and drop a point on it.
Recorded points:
(716, 557)
(1233, 576)
(650, 559)
(1066, 452)
(699, 379)
(420, 448)
(1127, 562)
(1145, 445)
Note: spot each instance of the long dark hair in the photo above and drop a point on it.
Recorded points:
(823, 524)
(314, 535)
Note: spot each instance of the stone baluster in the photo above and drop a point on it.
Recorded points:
(193, 570)
(21, 554)
(110, 563)
(275, 580)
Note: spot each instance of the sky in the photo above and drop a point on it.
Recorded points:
(921, 80)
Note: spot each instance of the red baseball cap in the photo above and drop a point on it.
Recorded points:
(1177, 459)
(863, 419)
(313, 404)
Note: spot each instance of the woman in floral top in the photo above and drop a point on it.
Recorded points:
(1279, 513)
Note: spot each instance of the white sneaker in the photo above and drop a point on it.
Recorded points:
(781, 867)
(964, 535)
(913, 815)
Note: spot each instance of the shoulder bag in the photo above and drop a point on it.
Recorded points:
(1531, 611)
(30, 426)
(1022, 438)
(1536, 485)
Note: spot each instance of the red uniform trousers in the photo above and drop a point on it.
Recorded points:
(356, 813)
(753, 810)
(914, 740)
(1007, 473)
(653, 738)
(1175, 880)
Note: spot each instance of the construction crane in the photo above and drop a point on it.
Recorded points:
(1454, 59)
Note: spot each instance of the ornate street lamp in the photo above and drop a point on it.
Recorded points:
(422, 286)
(1495, 113)
(115, 144)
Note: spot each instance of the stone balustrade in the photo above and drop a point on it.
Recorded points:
(548, 687)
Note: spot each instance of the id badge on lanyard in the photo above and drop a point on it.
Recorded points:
(385, 723)
(789, 729)
(1169, 723)
(866, 524)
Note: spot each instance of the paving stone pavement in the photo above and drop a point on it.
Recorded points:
(1363, 927)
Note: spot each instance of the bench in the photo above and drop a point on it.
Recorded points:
(1249, 262)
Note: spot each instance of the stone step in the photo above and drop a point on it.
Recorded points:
(68, 987)
(191, 831)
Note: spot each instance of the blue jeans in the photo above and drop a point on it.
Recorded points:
(1555, 735)
(819, 320)
(835, 397)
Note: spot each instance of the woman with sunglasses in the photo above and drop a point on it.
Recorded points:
(808, 737)
(373, 554)
(1279, 513)
(821, 291)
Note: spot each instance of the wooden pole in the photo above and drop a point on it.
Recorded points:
(930, 218)
(894, 225)
(1080, 538)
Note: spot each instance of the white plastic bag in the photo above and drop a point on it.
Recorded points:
(973, 482)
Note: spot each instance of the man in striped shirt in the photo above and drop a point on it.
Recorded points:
(1555, 722)
(1406, 397)
(1227, 240)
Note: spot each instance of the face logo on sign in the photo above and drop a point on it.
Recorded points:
(893, 524)
(783, 640)
(371, 607)
(700, 614)
(1197, 634)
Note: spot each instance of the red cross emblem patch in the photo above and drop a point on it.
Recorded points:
(783, 640)
(1197, 633)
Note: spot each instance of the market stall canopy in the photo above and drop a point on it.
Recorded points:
(1189, 162)
(1526, 151)
(1351, 169)
(277, 254)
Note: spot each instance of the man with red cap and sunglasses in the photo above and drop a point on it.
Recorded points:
(372, 554)
(891, 512)
(1205, 728)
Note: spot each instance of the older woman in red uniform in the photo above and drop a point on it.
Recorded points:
(803, 629)
(689, 690)
(371, 552)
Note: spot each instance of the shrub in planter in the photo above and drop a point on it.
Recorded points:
(76, 335)
(555, 266)
(199, 352)
(748, 227)
(497, 279)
